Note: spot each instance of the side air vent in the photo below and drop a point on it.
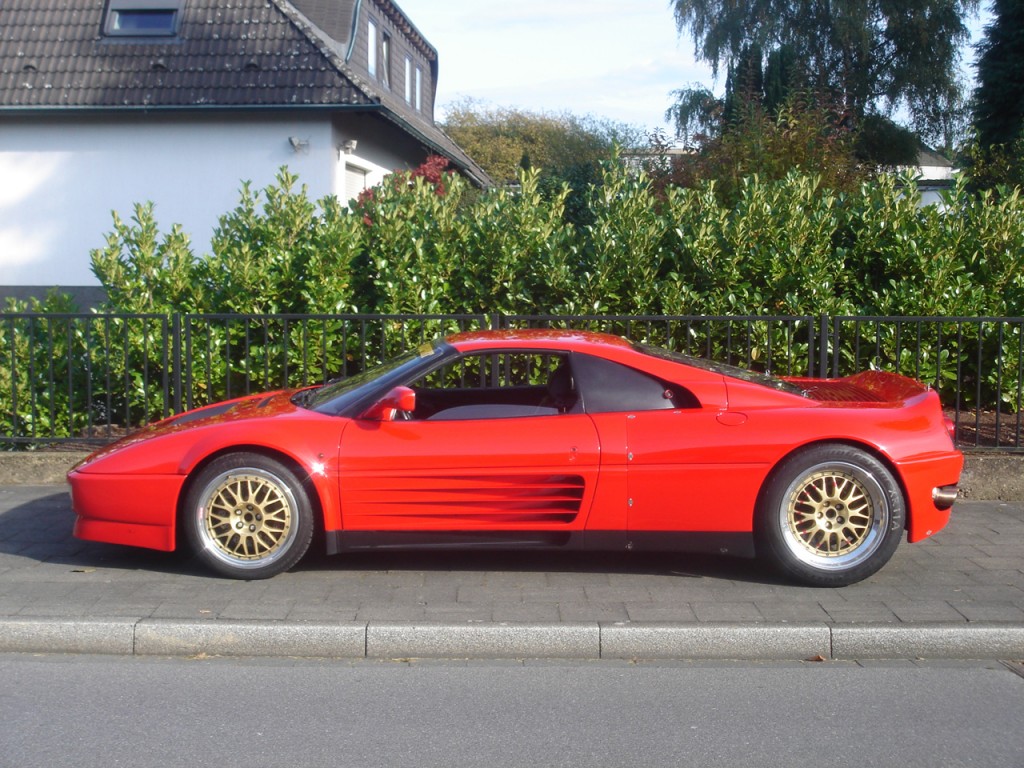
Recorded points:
(519, 500)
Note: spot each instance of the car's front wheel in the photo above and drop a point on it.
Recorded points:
(248, 516)
(831, 515)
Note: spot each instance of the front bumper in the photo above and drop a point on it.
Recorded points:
(135, 510)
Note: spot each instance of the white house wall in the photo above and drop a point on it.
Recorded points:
(59, 181)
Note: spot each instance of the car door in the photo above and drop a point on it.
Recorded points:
(675, 457)
(487, 449)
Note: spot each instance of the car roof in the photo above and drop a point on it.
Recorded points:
(536, 337)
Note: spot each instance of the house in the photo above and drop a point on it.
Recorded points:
(935, 174)
(108, 103)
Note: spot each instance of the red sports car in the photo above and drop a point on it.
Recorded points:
(554, 439)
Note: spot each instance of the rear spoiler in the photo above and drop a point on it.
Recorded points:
(866, 387)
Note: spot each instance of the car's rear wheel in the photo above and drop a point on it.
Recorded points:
(248, 516)
(830, 516)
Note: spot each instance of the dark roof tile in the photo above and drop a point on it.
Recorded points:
(230, 54)
(41, 41)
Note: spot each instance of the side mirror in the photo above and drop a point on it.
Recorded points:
(400, 400)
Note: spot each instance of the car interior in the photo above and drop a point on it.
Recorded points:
(524, 384)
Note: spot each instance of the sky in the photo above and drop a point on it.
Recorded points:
(587, 57)
(603, 58)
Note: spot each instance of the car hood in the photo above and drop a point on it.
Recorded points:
(265, 405)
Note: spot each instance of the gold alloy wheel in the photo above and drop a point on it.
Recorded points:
(249, 515)
(830, 513)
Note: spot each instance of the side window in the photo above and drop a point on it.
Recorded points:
(371, 47)
(608, 387)
(408, 80)
(497, 385)
(385, 60)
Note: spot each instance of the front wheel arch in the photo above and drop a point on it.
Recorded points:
(292, 464)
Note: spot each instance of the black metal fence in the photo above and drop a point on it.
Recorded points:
(88, 378)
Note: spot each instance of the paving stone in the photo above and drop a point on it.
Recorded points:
(859, 611)
(526, 612)
(648, 612)
(990, 611)
(728, 611)
(589, 611)
(924, 610)
(791, 612)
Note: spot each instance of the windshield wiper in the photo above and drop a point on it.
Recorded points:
(302, 398)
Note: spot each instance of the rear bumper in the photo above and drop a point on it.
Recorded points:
(931, 486)
(135, 510)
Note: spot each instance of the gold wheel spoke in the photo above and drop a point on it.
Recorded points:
(248, 516)
(830, 513)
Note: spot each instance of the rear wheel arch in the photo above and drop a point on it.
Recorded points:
(866, 447)
(830, 513)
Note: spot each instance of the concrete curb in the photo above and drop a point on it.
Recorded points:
(172, 637)
(500, 640)
(715, 641)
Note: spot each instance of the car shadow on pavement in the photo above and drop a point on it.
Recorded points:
(39, 529)
(683, 566)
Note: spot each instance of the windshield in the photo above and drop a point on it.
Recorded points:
(724, 369)
(338, 396)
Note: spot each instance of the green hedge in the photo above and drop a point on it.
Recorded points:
(422, 245)
(426, 242)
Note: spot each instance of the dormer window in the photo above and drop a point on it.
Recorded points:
(142, 18)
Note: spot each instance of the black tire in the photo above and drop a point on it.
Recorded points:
(830, 516)
(248, 516)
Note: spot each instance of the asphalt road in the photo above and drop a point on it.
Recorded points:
(87, 711)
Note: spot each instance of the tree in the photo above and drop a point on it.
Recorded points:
(769, 95)
(564, 148)
(798, 136)
(504, 140)
(998, 107)
(868, 55)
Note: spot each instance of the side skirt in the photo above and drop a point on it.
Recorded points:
(696, 542)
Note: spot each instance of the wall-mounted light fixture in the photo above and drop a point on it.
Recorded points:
(299, 145)
(349, 146)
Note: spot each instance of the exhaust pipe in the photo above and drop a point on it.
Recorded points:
(945, 495)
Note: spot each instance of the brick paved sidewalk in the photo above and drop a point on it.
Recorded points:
(971, 572)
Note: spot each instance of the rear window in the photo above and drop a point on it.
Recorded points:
(609, 387)
(724, 369)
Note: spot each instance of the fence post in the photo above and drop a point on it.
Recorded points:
(823, 346)
(176, 362)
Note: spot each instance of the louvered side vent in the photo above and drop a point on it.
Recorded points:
(515, 498)
(476, 499)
